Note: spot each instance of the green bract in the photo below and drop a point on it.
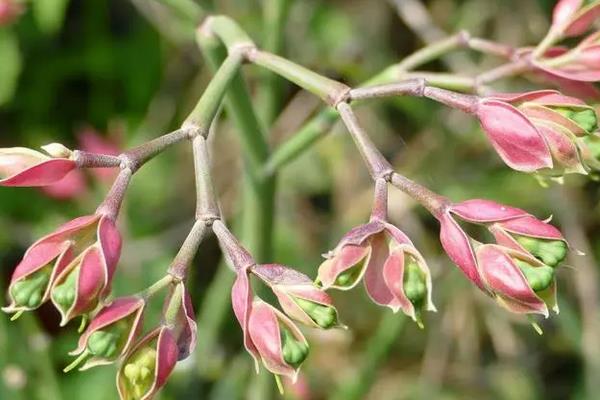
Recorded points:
(323, 315)
(294, 351)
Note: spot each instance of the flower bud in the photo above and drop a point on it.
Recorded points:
(519, 282)
(550, 252)
(10, 10)
(111, 333)
(300, 299)
(586, 118)
(29, 292)
(179, 313)
(57, 150)
(25, 167)
(387, 260)
(146, 368)
(279, 343)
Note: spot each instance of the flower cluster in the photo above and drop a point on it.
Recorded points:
(73, 267)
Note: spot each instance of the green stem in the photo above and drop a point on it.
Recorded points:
(319, 125)
(269, 96)
(259, 203)
(187, 9)
(376, 353)
(330, 91)
(207, 107)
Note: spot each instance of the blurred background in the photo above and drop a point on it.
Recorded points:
(105, 75)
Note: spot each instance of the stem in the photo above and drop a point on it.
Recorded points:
(228, 31)
(463, 102)
(503, 71)
(83, 159)
(433, 202)
(188, 250)
(138, 156)
(114, 199)
(259, 191)
(491, 48)
(188, 9)
(274, 15)
(433, 51)
(207, 208)
(551, 37)
(378, 166)
(380, 200)
(330, 91)
(412, 87)
(156, 287)
(309, 134)
(240, 257)
(206, 109)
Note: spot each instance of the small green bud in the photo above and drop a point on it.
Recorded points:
(294, 351)
(29, 292)
(348, 277)
(139, 372)
(415, 286)
(64, 294)
(550, 252)
(585, 118)
(323, 315)
(539, 278)
(103, 344)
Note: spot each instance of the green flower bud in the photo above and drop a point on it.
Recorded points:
(103, 344)
(139, 372)
(29, 292)
(348, 277)
(415, 283)
(550, 252)
(323, 315)
(294, 351)
(585, 118)
(539, 278)
(64, 294)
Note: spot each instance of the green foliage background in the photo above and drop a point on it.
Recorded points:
(130, 70)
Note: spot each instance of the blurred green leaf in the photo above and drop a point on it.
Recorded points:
(49, 14)
(10, 66)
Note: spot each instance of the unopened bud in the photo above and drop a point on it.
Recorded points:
(550, 252)
(294, 351)
(538, 277)
(139, 372)
(64, 294)
(349, 277)
(415, 284)
(29, 292)
(323, 315)
(57, 150)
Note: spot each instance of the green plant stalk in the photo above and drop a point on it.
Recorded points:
(375, 354)
(269, 96)
(318, 126)
(187, 9)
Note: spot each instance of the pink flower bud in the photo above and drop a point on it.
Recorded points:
(49, 259)
(581, 63)
(516, 140)
(528, 250)
(516, 229)
(184, 327)
(559, 120)
(300, 299)
(395, 273)
(10, 10)
(279, 343)
(146, 368)
(241, 301)
(111, 333)
(574, 17)
(520, 283)
(86, 280)
(20, 166)
(72, 186)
